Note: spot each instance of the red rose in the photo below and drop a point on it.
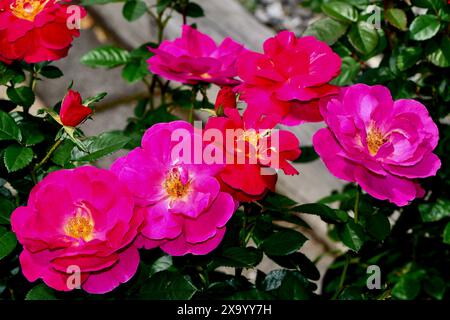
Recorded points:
(226, 98)
(37, 30)
(73, 112)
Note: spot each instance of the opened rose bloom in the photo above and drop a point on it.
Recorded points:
(37, 30)
(195, 58)
(384, 146)
(184, 209)
(289, 78)
(73, 112)
(256, 150)
(78, 220)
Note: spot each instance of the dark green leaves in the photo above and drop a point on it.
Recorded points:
(409, 285)
(341, 11)
(378, 226)
(327, 30)
(431, 212)
(352, 235)
(99, 147)
(424, 27)
(167, 285)
(134, 9)
(408, 57)
(8, 242)
(17, 157)
(397, 18)
(9, 130)
(326, 213)
(440, 53)
(239, 257)
(41, 292)
(283, 243)
(22, 96)
(363, 37)
(106, 57)
(349, 71)
(51, 72)
(446, 235)
(6, 208)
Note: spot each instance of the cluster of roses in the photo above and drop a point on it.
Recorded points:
(97, 219)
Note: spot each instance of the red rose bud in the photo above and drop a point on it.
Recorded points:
(226, 99)
(73, 112)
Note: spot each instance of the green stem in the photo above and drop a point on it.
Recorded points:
(356, 208)
(343, 276)
(194, 99)
(48, 155)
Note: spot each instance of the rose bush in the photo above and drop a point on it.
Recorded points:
(188, 197)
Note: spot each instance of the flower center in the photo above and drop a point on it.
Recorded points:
(205, 75)
(81, 225)
(174, 186)
(375, 140)
(28, 9)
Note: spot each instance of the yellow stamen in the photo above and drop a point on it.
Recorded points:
(205, 75)
(375, 140)
(27, 9)
(81, 225)
(173, 185)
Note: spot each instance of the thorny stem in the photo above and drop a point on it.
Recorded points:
(47, 156)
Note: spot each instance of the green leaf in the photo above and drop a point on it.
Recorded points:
(378, 226)
(447, 234)
(430, 4)
(408, 287)
(106, 57)
(293, 288)
(283, 243)
(134, 9)
(63, 153)
(327, 30)
(22, 96)
(99, 147)
(8, 242)
(6, 208)
(135, 71)
(325, 212)
(352, 235)
(340, 11)
(300, 262)
(363, 37)
(238, 257)
(349, 71)
(424, 27)
(440, 54)
(167, 285)
(397, 18)
(7, 106)
(435, 286)
(51, 72)
(32, 135)
(431, 212)
(95, 99)
(161, 264)
(17, 157)
(41, 292)
(408, 57)
(9, 130)
(194, 10)
(162, 5)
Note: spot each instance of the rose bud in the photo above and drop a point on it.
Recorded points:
(73, 112)
(226, 99)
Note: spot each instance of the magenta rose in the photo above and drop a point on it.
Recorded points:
(384, 146)
(196, 58)
(183, 207)
(81, 219)
(289, 78)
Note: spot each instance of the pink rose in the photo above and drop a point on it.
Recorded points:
(253, 138)
(183, 207)
(289, 78)
(384, 146)
(36, 30)
(196, 58)
(80, 218)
